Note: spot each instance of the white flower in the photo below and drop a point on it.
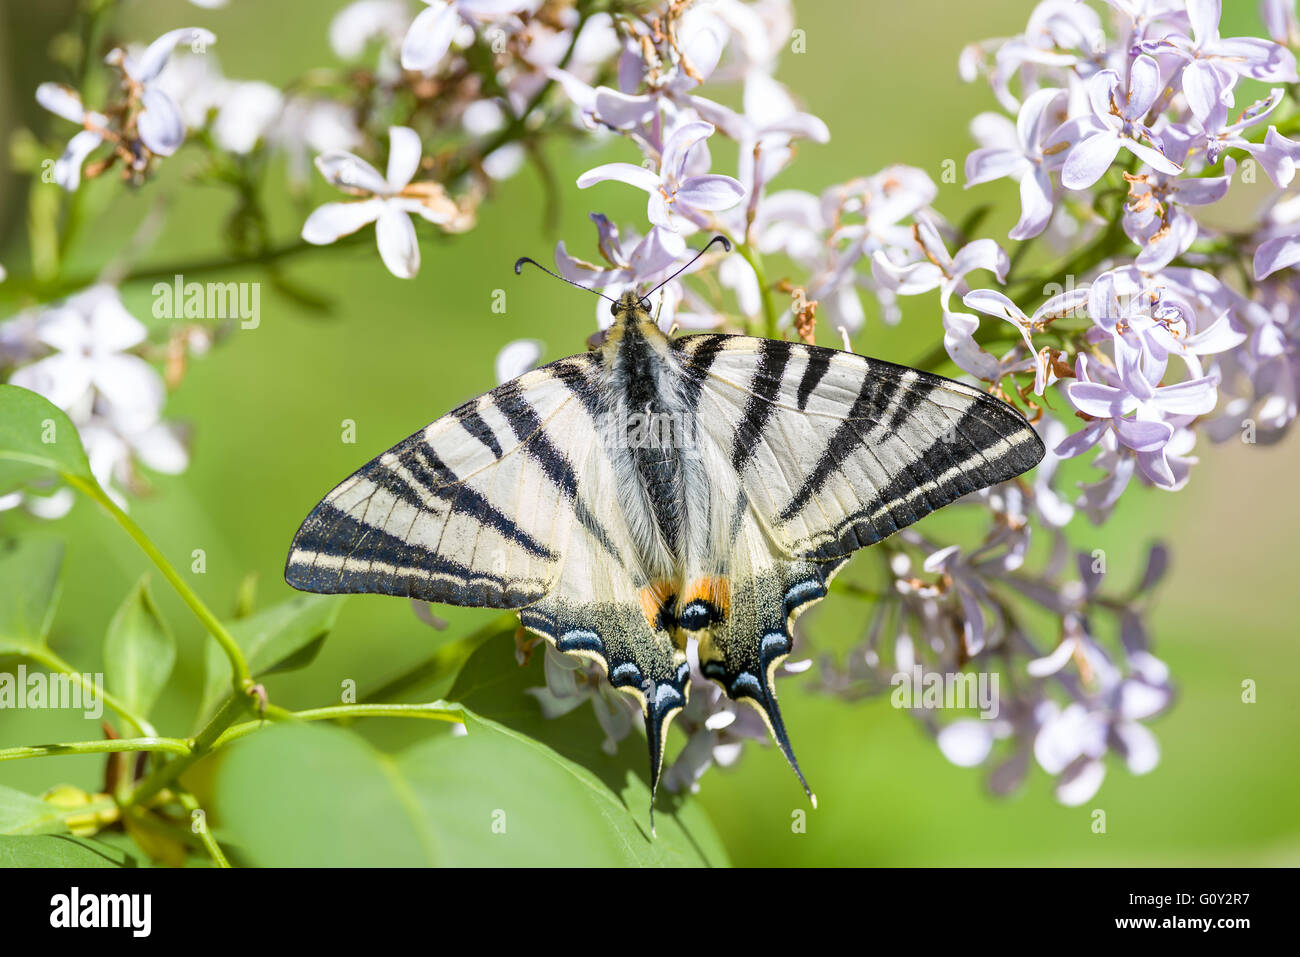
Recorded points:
(358, 23)
(681, 189)
(516, 358)
(91, 334)
(160, 123)
(248, 112)
(388, 203)
(430, 35)
(66, 102)
(114, 398)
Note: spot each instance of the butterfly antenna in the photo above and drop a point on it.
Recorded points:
(519, 265)
(726, 244)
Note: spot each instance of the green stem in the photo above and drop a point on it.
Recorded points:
(106, 746)
(433, 711)
(191, 804)
(202, 743)
(242, 678)
(755, 260)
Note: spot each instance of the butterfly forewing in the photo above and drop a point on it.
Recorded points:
(837, 451)
(466, 511)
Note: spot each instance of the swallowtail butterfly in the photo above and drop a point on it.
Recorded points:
(657, 490)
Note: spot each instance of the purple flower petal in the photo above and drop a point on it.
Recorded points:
(403, 156)
(1144, 85)
(1281, 252)
(160, 124)
(985, 165)
(1094, 399)
(637, 176)
(154, 58)
(711, 192)
(1142, 435)
(61, 101)
(1089, 159)
(1035, 205)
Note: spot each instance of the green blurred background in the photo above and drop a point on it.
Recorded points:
(267, 404)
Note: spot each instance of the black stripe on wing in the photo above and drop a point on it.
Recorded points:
(764, 388)
(352, 556)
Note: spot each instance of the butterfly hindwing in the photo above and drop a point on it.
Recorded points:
(603, 608)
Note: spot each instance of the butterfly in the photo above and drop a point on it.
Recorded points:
(660, 490)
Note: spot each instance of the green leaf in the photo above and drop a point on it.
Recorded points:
(36, 440)
(30, 581)
(22, 813)
(315, 795)
(61, 850)
(139, 651)
(280, 638)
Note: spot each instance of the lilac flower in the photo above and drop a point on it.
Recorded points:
(700, 38)
(1155, 217)
(1276, 154)
(967, 353)
(1281, 21)
(765, 131)
(681, 193)
(1214, 64)
(90, 335)
(430, 34)
(65, 102)
(939, 269)
(357, 24)
(648, 258)
(571, 681)
(1144, 415)
(388, 202)
(1017, 152)
(1280, 252)
(1116, 121)
(516, 358)
(249, 111)
(160, 124)
(114, 397)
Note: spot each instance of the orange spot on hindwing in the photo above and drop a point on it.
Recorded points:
(656, 600)
(705, 602)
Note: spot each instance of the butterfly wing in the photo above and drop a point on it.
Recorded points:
(466, 511)
(837, 451)
(603, 608)
(832, 452)
(495, 505)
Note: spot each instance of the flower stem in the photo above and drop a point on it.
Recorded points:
(201, 744)
(434, 711)
(106, 746)
(755, 260)
(191, 804)
(242, 678)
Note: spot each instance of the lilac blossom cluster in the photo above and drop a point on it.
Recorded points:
(1123, 134)
(1126, 125)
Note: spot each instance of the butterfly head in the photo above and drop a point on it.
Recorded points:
(631, 309)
